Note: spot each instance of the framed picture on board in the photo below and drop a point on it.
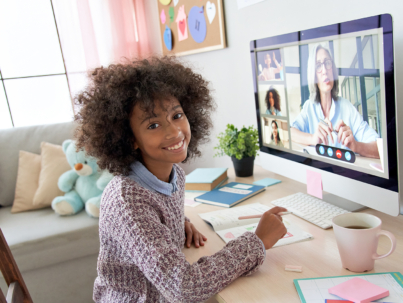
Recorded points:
(191, 26)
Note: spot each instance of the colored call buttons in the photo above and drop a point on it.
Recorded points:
(335, 153)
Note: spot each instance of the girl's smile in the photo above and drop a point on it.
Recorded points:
(179, 147)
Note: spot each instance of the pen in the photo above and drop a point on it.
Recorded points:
(324, 122)
(259, 216)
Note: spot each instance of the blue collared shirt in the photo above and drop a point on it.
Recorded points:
(145, 178)
(307, 121)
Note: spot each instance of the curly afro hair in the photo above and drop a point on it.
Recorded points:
(107, 104)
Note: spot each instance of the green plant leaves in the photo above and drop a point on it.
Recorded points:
(241, 144)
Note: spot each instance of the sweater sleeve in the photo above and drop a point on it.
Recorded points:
(138, 229)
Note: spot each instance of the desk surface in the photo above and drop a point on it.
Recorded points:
(318, 257)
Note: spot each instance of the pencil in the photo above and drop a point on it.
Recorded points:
(259, 216)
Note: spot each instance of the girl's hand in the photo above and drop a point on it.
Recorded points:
(271, 227)
(193, 234)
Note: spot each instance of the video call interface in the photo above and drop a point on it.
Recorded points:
(325, 99)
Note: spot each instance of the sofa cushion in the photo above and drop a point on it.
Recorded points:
(29, 167)
(53, 165)
(29, 139)
(40, 238)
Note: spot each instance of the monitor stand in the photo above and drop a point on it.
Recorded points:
(341, 202)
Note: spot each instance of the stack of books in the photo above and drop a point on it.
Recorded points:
(205, 179)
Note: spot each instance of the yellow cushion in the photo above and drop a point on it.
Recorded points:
(29, 167)
(53, 165)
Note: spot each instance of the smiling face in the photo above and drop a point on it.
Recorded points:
(324, 77)
(162, 138)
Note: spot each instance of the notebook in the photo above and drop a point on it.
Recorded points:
(205, 179)
(226, 224)
(317, 289)
(230, 194)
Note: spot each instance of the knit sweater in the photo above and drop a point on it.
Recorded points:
(140, 259)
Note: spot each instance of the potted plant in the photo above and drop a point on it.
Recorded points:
(241, 145)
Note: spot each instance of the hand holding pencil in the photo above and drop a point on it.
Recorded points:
(271, 228)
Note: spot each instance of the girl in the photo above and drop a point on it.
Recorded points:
(275, 135)
(140, 120)
(273, 102)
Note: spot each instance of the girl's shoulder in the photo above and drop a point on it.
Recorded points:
(122, 187)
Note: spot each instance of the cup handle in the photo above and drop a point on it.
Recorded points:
(392, 238)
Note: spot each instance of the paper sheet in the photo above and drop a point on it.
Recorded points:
(294, 234)
(245, 3)
(228, 218)
(316, 290)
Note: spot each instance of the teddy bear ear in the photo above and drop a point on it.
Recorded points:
(66, 144)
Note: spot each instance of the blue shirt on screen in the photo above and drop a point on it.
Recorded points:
(276, 111)
(307, 121)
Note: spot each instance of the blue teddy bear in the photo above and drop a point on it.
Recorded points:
(83, 184)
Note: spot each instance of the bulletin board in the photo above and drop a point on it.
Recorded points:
(191, 26)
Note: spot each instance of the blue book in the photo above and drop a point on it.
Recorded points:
(206, 179)
(230, 194)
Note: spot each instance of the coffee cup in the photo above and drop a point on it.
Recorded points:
(357, 236)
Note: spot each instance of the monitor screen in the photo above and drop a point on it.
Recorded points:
(325, 98)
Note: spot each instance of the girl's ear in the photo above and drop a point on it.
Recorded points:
(136, 146)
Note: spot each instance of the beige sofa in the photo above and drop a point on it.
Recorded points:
(56, 255)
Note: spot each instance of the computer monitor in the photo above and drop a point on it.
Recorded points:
(325, 101)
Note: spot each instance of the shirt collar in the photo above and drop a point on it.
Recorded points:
(140, 173)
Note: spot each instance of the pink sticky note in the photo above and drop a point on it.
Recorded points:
(163, 17)
(314, 183)
(359, 291)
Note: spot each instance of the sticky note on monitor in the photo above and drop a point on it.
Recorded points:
(359, 290)
(314, 184)
(266, 182)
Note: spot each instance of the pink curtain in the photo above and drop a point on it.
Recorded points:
(99, 32)
(129, 30)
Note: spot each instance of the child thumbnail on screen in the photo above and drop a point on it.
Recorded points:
(275, 133)
(270, 65)
(272, 100)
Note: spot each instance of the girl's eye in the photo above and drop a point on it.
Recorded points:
(177, 116)
(153, 126)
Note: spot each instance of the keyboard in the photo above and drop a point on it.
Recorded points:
(310, 209)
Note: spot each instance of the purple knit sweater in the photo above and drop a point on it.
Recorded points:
(140, 259)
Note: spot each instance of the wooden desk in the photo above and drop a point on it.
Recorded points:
(319, 257)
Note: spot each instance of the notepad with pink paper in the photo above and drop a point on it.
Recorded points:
(359, 290)
(316, 290)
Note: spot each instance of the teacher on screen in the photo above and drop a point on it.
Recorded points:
(344, 125)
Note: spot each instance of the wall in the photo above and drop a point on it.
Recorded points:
(229, 70)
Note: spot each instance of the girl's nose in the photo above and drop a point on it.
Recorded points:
(172, 131)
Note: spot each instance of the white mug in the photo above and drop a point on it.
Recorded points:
(357, 247)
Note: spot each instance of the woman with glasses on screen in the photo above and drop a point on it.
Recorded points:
(327, 118)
